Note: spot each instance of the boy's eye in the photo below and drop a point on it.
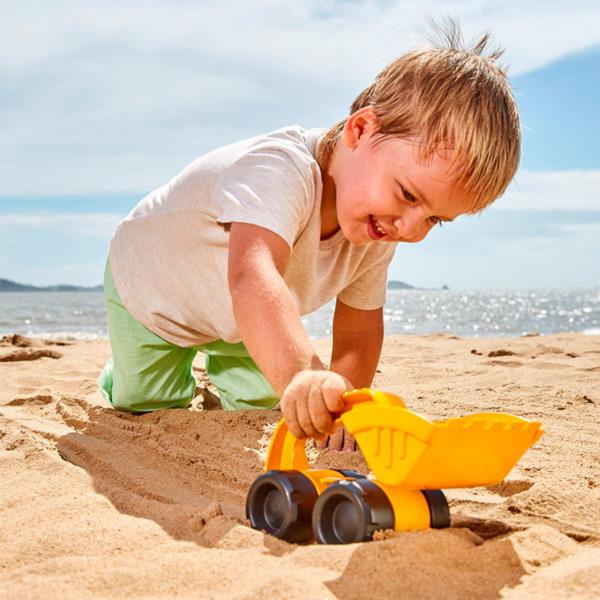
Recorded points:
(408, 195)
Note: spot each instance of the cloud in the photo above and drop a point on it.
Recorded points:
(585, 237)
(507, 249)
(113, 96)
(98, 225)
(553, 190)
(592, 229)
(79, 271)
(235, 32)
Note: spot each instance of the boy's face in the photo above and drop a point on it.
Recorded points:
(384, 192)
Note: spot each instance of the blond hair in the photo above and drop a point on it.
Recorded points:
(448, 95)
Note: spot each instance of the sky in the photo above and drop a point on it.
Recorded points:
(101, 102)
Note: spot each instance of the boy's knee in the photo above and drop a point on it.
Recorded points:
(130, 395)
(240, 383)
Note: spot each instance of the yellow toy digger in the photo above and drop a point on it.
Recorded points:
(410, 456)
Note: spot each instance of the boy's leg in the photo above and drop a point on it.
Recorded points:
(239, 381)
(146, 372)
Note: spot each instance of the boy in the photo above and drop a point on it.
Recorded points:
(228, 255)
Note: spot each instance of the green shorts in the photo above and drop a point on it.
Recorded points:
(147, 373)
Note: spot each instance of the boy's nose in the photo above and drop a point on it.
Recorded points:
(406, 227)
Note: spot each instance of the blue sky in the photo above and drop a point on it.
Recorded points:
(101, 102)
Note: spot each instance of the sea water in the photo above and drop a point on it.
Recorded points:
(476, 313)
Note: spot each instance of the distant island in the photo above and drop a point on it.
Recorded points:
(6, 285)
(399, 285)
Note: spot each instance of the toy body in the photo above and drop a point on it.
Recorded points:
(411, 458)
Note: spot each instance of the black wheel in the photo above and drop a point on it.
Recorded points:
(281, 503)
(439, 511)
(351, 511)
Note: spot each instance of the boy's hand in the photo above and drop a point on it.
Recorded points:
(310, 398)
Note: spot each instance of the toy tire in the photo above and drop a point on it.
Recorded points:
(439, 512)
(281, 503)
(351, 511)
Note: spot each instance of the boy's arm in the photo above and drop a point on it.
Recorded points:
(357, 343)
(264, 310)
(270, 326)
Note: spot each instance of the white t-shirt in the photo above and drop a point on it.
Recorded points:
(169, 255)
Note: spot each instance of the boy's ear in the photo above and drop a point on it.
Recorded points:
(361, 124)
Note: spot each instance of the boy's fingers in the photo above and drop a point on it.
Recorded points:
(332, 388)
(303, 413)
(321, 442)
(349, 441)
(288, 407)
(320, 416)
(336, 439)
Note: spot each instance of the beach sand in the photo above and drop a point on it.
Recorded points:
(99, 503)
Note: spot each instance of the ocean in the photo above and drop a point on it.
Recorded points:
(481, 313)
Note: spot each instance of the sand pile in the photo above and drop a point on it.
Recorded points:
(99, 503)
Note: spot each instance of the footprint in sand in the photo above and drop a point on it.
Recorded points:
(542, 350)
(501, 352)
(29, 354)
(510, 487)
(71, 411)
(572, 511)
(39, 400)
(504, 363)
(486, 527)
(74, 411)
(20, 341)
(549, 365)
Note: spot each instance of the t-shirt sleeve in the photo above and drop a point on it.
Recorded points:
(369, 290)
(268, 187)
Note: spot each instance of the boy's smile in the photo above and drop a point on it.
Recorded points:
(382, 191)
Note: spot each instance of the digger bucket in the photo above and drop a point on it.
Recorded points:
(405, 449)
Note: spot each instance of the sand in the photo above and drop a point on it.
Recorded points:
(103, 504)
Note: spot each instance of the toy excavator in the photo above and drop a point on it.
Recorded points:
(411, 458)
